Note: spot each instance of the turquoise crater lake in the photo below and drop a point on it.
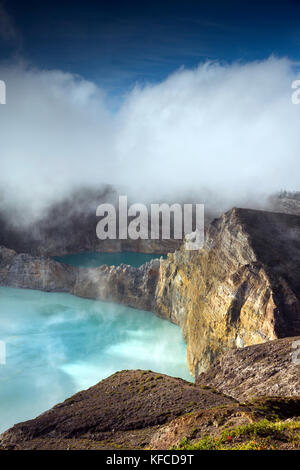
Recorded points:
(58, 344)
(94, 259)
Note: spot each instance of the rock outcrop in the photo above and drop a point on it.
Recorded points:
(268, 369)
(286, 202)
(29, 272)
(261, 424)
(125, 409)
(124, 284)
(146, 410)
(241, 289)
(134, 287)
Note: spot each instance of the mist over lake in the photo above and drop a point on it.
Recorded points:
(58, 344)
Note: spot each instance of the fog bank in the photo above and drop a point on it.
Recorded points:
(221, 134)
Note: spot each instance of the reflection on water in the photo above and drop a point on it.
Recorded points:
(58, 344)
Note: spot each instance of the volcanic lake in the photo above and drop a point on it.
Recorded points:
(58, 344)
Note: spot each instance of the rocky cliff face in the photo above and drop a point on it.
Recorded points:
(241, 289)
(268, 369)
(286, 202)
(29, 272)
(134, 287)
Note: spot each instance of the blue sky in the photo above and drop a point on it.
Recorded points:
(118, 43)
(228, 128)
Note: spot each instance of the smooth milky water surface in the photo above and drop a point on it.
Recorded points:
(58, 344)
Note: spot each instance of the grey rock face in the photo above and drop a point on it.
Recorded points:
(241, 289)
(28, 272)
(134, 287)
(262, 370)
(123, 284)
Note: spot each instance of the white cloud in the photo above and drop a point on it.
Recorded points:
(230, 130)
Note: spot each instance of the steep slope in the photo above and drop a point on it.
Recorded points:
(143, 409)
(261, 424)
(269, 369)
(125, 409)
(241, 289)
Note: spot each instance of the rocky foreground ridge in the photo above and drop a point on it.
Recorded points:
(241, 289)
(143, 409)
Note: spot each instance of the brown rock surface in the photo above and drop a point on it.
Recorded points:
(267, 369)
(144, 410)
(124, 408)
(124, 284)
(234, 426)
(241, 289)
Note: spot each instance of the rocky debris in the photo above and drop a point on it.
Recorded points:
(29, 272)
(267, 369)
(125, 409)
(241, 289)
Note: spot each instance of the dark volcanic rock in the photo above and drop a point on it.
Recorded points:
(261, 370)
(126, 401)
